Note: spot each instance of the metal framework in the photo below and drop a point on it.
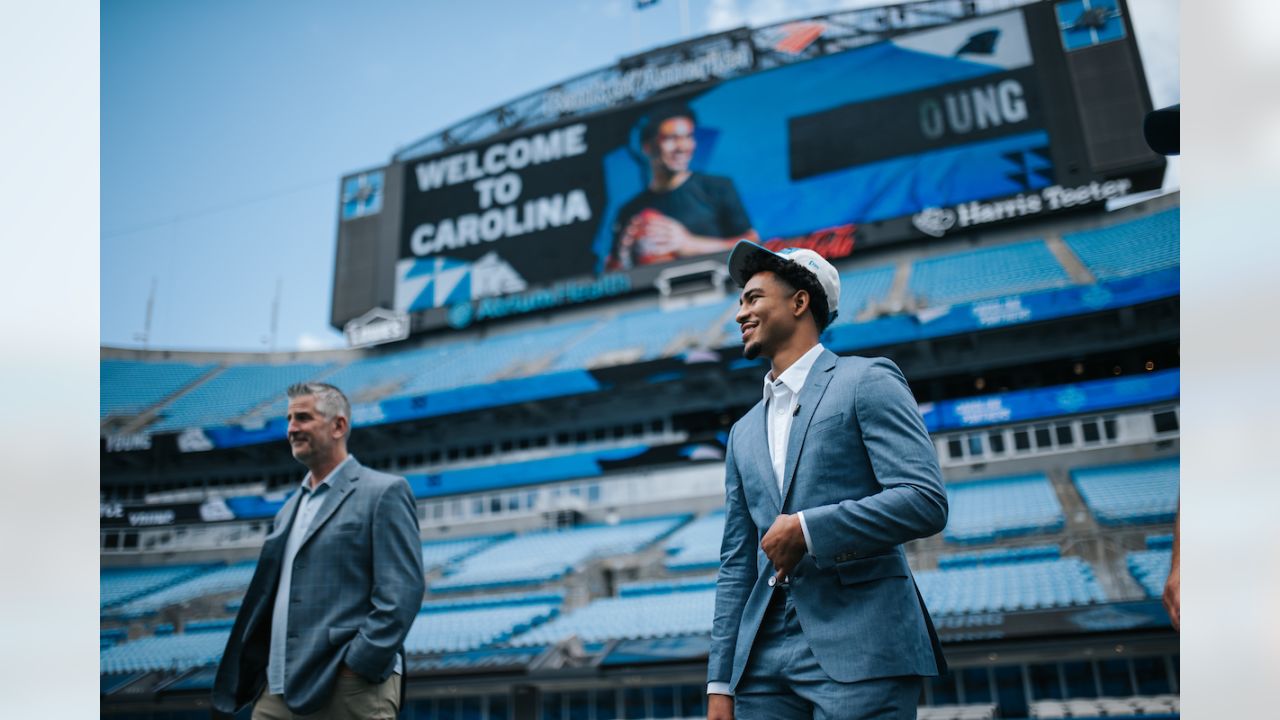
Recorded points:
(733, 53)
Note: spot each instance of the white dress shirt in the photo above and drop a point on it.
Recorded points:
(780, 399)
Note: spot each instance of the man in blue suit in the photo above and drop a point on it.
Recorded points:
(817, 614)
(339, 582)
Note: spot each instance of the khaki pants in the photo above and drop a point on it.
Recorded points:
(354, 698)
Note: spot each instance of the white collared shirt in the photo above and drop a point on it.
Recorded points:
(780, 406)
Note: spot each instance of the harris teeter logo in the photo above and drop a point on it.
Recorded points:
(938, 221)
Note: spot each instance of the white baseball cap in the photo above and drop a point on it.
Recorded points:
(824, 272)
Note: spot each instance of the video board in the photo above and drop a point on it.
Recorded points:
(915, 136)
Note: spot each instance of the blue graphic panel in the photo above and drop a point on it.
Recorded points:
(1085, 23)
(362, 195)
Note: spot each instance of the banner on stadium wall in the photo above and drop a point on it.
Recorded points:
(998, 312)
(1026, 405)
(119, 515)
(923, 134)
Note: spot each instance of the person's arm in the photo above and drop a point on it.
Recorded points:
(398, 584)
(662, 235)
(733, 584)
(1173, 585)
(913, 500)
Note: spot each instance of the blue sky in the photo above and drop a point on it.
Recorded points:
(227, 124)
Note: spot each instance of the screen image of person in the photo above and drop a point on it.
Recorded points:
(680, 213)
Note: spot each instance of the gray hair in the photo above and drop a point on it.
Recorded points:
(330, 402)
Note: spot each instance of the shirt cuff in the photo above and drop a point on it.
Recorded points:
(719, 688)
(804, 528)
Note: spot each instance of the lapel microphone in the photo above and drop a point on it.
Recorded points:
(797, 412)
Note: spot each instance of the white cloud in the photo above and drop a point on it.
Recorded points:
(724, 15)
(727, 14)
(309, 341)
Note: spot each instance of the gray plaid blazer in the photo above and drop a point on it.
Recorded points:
(357, 587)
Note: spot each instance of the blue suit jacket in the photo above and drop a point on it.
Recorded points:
(861, 466)
(357, 587)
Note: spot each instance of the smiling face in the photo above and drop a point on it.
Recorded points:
(767, 315)
(313, 438)
(672, 145)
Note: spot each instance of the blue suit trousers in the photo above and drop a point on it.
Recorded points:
(783, 680)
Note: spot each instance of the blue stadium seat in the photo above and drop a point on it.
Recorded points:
(442, 552)
(478, 362)
(219, 580)
(987, 273)
(1150, 568)
(696, 546)
(860, 287)
(120, 585)
(543, 556)
(648, 332)
(1006, 587)
(446, 628)
(127, 387)
(678, 611)
(986, 510)
(233, 393)
(1132, 248)
(1145, 492)
(999, 556)
(169, 652)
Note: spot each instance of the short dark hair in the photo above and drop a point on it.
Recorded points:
(649, 123)
(796, 278)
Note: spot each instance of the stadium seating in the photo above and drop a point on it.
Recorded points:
(1159, 706)
(999, 556)
(169, 652)
(1131, 248)
(110, 637)
(647, 333)
(233, 393)
(957, 712)
(128, 387)
(1012, 586)
(1151, 567)
(667, 585)
(373, 378)
(120, 585)
(986, 273)
(986, 510)
(447, 627)
(442, 552)
(219, 580)
(860, 287)
(543, 556)
(696, 546)
(677, 611)
(477, 362)
(1144, 492)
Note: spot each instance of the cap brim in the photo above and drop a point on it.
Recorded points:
(1161, 129)
(743, 253)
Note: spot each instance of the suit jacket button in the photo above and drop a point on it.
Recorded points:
(773, 580)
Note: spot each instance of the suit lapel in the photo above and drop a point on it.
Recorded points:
(340, 487)
(758, 439)
(810, 395)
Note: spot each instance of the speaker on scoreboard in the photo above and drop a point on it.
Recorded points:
(1104, 72)
(368, 243)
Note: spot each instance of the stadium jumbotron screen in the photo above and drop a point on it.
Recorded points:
(919, 135)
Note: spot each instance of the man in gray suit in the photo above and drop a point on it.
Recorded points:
(339, 581)
(817, 614)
